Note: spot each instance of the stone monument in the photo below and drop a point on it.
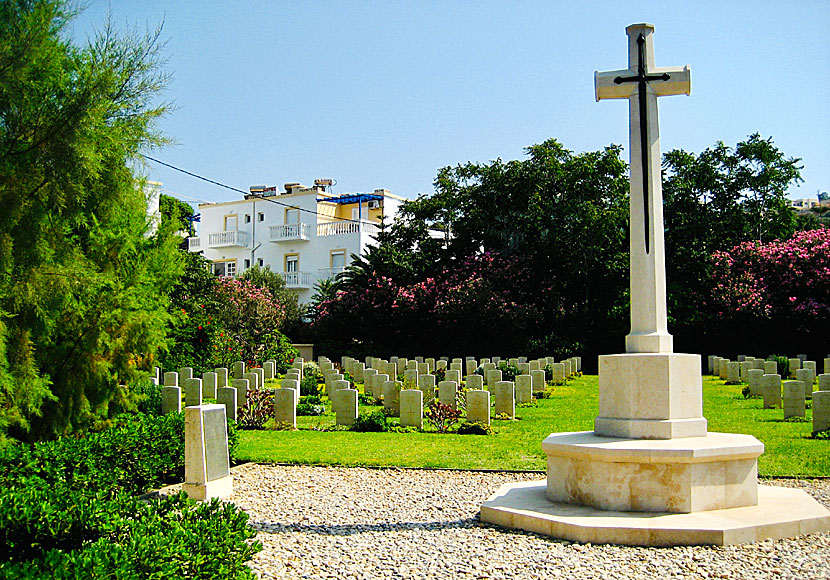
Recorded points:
(206, 461)
(650, 473)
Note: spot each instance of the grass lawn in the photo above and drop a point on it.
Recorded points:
(517, 444)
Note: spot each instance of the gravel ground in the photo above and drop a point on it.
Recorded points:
(322, 522)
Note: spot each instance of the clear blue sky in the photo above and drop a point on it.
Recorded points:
(384, 93)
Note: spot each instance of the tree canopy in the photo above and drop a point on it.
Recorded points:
(545, 237)
(83, 291)
(714, 201)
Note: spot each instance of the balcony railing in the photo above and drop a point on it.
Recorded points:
(329, 273)
(297, 279)
(346, 227)
(194, 244)
(229, 238)
(289, 232)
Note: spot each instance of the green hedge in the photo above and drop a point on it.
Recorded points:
(69, 509)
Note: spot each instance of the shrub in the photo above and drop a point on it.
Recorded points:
(259, 407)
(309, 410)
(149, 397)
(367, 400)
(68, 509)
(312, 377)
(442, 417)
(120, 537)
(396, 428)
(140, 452)
(474, 428)
(311, 400)
(508, 371)
(783, 364)
(372, 422)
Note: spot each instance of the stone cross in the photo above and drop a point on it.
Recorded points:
(641, 83)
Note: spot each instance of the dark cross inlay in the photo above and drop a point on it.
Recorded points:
(642, 78)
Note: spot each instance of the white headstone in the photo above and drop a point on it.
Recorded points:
(478, 406)
(505, 399)
(209, 381)
(412, 408)
(474, 382)
(171, 400)
(771, 391)
(242, 387)
(524, 388)
(447, 391)
(206, 461)
(192, 392)
(793, 399)
(227, 396)
(344, 405)
(285, 406)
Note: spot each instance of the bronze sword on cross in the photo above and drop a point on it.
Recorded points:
(642, 78)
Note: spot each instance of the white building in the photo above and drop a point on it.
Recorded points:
(304, 233)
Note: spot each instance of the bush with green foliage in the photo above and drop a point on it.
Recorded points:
(782, 364)
(310, 410)
(86, 535)
(259, 407)
(69, 507)
(371, 422)
(441, 416)
(148, 395)
(312, 377)
(474, 428)
(508, 371)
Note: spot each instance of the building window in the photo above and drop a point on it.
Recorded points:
(225, 269)
(247, 218)
(260, 262)
(261, 216)
(292, 263)
(292, 215)
(247, 264)
(338, 259)
(231, 222)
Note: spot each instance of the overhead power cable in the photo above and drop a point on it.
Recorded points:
(245, 193)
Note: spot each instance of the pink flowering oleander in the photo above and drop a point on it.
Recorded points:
(776, 279)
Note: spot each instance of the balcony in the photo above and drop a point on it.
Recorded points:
(346, 227)
(297, 280)
(289, 232)
(227, 239)
(194, 244)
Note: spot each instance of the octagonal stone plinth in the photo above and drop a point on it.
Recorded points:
(780, 513)
(678, 475)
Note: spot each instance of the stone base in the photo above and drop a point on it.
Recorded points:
(220, 488)
(650, 396)
(780, 513)
(684, 475)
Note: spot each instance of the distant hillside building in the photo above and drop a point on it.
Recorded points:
(304, 233)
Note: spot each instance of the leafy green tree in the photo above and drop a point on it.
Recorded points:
(83, 288)
(177, 211)
(714, 201)
(557, 218)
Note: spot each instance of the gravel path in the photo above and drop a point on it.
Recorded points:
(322, 522)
